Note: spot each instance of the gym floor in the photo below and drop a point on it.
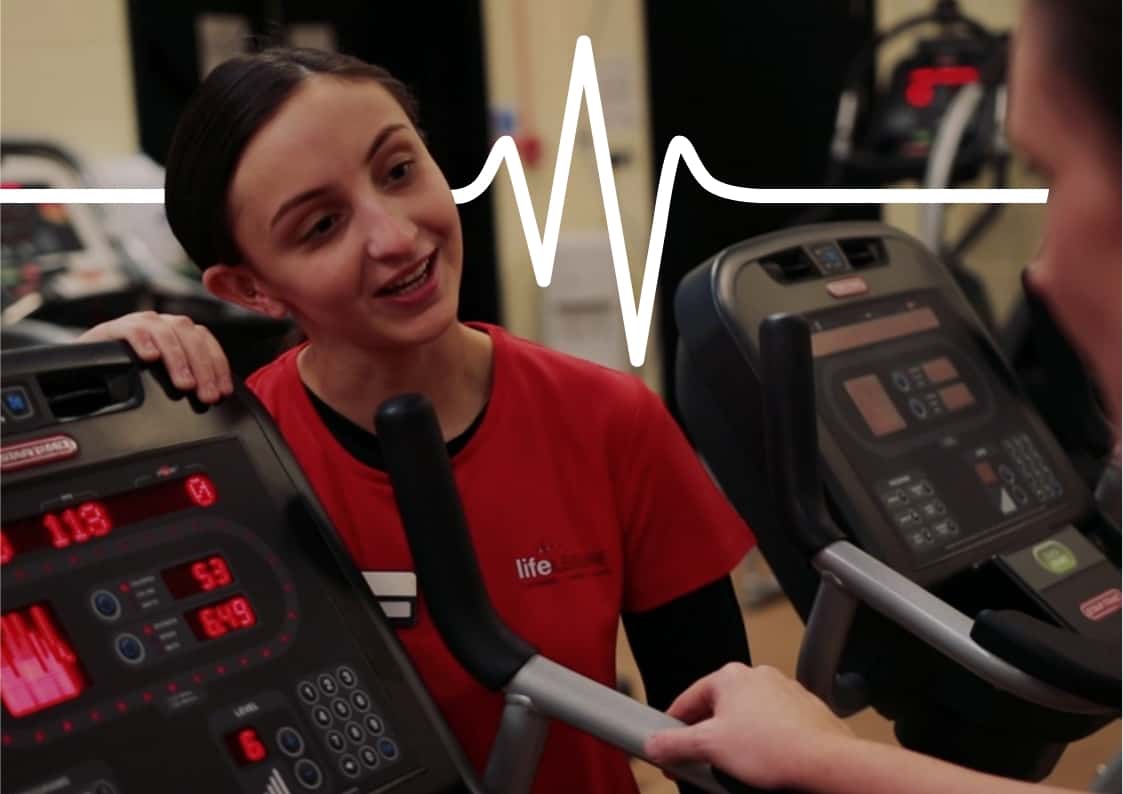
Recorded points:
(774, 634)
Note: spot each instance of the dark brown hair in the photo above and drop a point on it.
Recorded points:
(1084, 35)
(235, 100)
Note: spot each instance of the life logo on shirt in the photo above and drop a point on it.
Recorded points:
(548, 565)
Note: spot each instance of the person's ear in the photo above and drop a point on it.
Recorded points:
(238, 285)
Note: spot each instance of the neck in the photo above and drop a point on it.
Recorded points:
(453, 371)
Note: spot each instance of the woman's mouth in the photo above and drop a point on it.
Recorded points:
(412, 281)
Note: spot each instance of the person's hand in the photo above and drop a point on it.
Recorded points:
(191, 354)
(755, 724)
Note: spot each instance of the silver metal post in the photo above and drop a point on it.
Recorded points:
(518, 746)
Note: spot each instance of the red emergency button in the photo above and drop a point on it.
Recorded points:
(848, 287)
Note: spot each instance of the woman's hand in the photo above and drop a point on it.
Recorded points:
(190, 352)
(755, 724)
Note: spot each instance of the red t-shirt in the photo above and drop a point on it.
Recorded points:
(574, 465)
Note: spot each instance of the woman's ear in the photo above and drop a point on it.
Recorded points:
(238, 285)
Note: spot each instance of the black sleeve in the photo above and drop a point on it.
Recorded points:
(686, 639)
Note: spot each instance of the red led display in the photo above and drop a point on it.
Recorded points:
(246, 746)
(220, 618)
(923, 81)
(38, 668)
(197, 576)
(71, 526)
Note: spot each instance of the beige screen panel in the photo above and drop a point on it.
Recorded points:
(874, 404)
(870, 332)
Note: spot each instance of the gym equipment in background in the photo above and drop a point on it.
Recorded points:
(949, 501)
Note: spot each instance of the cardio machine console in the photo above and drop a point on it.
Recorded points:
(934, 459)
(176, 615)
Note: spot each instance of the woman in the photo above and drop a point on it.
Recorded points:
(1065, 117)
(300, 183)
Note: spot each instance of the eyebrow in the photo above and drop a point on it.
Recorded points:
(316, 192)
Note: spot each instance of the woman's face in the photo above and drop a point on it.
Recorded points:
(1078, 270)
(346, 221)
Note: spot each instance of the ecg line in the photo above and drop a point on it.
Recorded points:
(543, 245)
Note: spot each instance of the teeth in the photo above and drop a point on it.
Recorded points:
(411, 280)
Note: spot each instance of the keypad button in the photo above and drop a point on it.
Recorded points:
(309, 774)
(374, 724)
(327, 684)
(336, 741)
(895, 498)
(308, 693)
(290, 741)
(387, 749)
(106, 605)
(369, 757)
(130, 649)
(322, 716)
(360, 701)
(907, 519)
(341, 709)
(354, 732)
(347, 676)
(349, 766)
(933, 509)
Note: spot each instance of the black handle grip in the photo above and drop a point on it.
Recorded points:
(41, 360)
(445, 560)
(1081, 665)
(791, 440)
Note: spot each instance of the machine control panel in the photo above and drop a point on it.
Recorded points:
(174, 620)
(905, 392)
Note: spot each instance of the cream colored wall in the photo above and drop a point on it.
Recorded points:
(65, 73)
(547, 32)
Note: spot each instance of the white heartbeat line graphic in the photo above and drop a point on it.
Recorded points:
(543, 246)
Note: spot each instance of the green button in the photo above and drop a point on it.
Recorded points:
(1054, 557)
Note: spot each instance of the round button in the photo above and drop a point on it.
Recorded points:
(374, 725)
(341, 709)
(336, 741)
(290, 742)
(307, 692)
(327, 684)
(347, 676)
(369, 757)
(309, 774)
(130, 648)
(349, 766)
(360, 700)
(918, 408)
(388, 749)
(106, 605)
(354, 732)
(322, 716)
(901, 380)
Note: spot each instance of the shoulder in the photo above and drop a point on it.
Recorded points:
(551, 375)
(276, 379)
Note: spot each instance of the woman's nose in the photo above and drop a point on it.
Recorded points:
(389, 234)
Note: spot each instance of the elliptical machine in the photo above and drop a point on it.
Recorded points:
(958, 577)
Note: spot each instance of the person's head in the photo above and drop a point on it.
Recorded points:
(1065, 118)
(299, 183)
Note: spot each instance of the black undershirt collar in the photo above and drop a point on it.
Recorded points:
(363, 445)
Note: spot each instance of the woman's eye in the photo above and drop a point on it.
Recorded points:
(400, 171)
(320, 228)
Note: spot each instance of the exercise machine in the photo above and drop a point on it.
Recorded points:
(952, 568)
